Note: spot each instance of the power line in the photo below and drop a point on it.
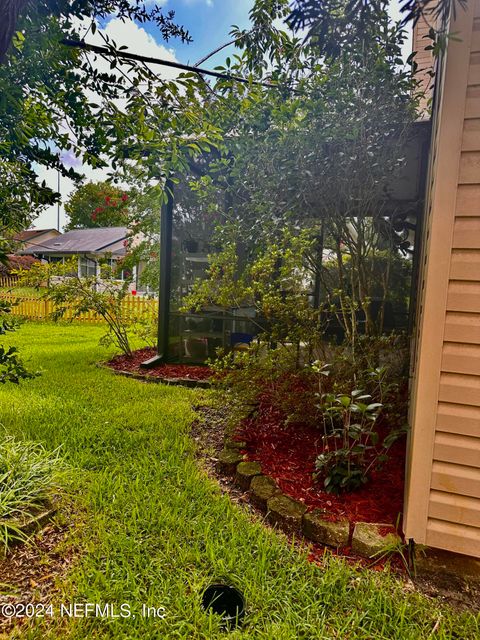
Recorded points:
(110, 51)
(221, 47)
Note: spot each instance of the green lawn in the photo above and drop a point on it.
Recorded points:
(22, 292)
(152, 528)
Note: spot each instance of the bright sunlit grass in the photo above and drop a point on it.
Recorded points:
(22, 292)
(153, 529)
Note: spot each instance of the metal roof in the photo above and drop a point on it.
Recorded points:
(98, 240)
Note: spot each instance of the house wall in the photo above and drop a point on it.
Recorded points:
(442, 506)
(425, 61)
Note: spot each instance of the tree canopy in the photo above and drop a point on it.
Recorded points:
(46, 93)
(330, 24)
(97, 204)
(64, 11)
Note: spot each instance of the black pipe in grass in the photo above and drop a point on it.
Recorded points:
(225, 601)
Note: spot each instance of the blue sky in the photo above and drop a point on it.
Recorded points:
(208, 22)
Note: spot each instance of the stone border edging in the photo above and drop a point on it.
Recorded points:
(184, 382)
(33, 523)
(365, 538)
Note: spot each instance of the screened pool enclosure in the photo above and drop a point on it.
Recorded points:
(187, 239)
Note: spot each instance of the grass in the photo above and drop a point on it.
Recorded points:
(28, 476)
(22, 292)
(150, 528)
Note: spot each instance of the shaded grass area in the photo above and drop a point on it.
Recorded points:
(154, 530)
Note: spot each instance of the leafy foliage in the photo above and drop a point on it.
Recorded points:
(333, 24)
(352, 421)
(46, 107)
(273, 282)
(14, 263)
(362, 403)
(12, 368)
(103, 294)
(103, 297)
(97, 204)
(62, 9)
(352, 443)
(306, 175)
(320, 156)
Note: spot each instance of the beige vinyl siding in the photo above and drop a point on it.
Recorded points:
(425, 62)
(443, 491)
(454, 504)
(460, 389)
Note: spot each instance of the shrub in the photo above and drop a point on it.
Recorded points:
(245, 376)
(274, 282)
(14, 263)
(28, 476)
(104, 297)
(353, 444)
(103, 294)
(358, 401)
(12, 368)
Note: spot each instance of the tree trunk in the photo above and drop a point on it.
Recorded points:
(9, 10)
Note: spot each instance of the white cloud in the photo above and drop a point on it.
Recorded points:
(138, 41)
(209, 3)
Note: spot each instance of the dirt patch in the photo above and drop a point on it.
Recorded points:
(32, 572)
(208, 431)
(452, 590)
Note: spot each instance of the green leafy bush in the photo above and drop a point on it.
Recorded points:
(12, 368)
(274, 281)
(102, 294)
(353, 445)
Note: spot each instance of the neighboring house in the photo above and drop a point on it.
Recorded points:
(34, 237)
(88, 245)
(442, 499)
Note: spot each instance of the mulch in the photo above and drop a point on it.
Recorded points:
(32, 572)
(168, 371)
(208, 432)
(287, 453)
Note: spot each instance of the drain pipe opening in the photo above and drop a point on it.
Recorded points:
(225, 601)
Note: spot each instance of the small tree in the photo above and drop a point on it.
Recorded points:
(103, 294)
(104, 297)
(97, 204)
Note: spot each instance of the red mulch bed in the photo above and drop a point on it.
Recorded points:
(287, 453)
(132, 364)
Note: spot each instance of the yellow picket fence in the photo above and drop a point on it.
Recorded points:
(41, 309)
(8, 281)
